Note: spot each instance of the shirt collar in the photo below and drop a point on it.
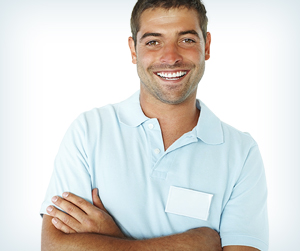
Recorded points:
(130, 112)
(208, 129)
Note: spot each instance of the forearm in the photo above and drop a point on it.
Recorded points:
(80, 242)
(202, 239)
(54, 239)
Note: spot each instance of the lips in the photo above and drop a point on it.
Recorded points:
(171, 76)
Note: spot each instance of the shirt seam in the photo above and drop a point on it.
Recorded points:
(245, 236)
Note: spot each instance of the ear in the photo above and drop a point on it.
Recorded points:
(132, 49)
(207, 46)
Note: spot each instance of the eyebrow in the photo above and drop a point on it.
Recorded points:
(153, 34)
(150, 34)
(189, 32)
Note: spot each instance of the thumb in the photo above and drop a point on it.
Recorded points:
(96, 200)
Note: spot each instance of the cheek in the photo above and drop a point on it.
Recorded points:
(147, 56)
(194, 56)
(145, 62)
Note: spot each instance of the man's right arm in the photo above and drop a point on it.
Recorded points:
(202, 239)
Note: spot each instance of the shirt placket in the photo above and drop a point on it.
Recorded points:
(161, 161)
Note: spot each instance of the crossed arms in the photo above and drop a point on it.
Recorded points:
(91, 227)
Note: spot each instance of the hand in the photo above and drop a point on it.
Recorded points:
(83, 217)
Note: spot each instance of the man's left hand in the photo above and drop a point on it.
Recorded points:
(83, 217)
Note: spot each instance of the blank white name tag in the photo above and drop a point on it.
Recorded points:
(188, 203)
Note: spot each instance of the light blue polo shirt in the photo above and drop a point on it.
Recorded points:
(120, 151)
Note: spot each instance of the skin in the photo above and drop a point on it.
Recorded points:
(168, 41)
(90, 227)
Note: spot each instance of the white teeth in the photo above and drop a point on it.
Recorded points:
(172, 75)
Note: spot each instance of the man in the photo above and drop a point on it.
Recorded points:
(170, 174)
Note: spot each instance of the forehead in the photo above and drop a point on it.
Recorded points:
(158, 19)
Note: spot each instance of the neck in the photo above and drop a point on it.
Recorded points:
(174, 120)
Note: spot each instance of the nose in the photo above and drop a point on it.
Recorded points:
(170, 54)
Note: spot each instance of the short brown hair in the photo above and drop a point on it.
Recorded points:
(143, 5)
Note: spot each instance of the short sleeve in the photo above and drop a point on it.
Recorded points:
(244, 220)
(71, 166)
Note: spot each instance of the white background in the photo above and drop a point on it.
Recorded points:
(59, 58)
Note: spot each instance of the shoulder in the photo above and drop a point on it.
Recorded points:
(111, 113)
(96, 116)
(212, 130)
(235, 136)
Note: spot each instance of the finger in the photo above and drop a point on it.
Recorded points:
(69, 208)
(96, 200)
(64, 218)
(80, 203)
(61, 226)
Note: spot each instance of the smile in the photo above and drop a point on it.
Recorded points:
(172, 75)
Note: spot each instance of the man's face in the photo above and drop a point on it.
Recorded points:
(170, 54)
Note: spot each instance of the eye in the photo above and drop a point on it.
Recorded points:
(152, 43)
(188, 41)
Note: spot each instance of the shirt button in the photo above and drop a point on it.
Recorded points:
(157, 151)
(150, 126)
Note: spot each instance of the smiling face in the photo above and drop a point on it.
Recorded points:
(170, 54)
